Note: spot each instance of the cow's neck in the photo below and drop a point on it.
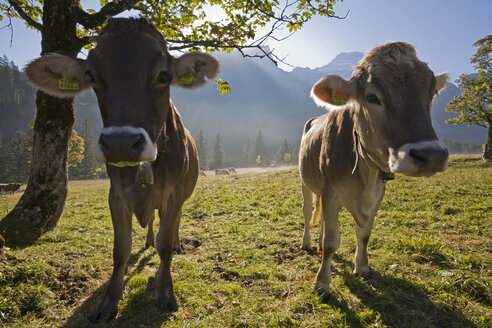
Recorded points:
(363, 155)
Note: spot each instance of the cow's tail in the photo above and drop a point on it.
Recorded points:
(317, 210)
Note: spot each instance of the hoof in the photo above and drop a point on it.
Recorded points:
(105, 313)
(364, 271)
(307, 248)
(177, 249)
(150, 243)
(167, 303)
(323, 291)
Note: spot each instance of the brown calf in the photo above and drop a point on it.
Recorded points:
(151, 158)
(382, 126)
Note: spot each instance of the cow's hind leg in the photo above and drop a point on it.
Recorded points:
(307, 211)
(150, 240)
(166, 300)
(331, 242)
(122, 225)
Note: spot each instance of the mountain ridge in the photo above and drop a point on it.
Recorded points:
(264, 98)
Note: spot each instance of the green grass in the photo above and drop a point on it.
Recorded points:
(242, 266)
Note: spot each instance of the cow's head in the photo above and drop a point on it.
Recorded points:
(392, 92)
(130, 71)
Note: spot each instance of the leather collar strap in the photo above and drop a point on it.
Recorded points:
(385, 176)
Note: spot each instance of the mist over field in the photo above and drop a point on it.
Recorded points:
(264, 98)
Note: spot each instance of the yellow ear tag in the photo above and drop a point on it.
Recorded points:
(68, 85)
(186, 79)
(337, 100)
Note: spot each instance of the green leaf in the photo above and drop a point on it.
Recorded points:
(223, 86)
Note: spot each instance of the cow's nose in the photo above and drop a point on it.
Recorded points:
(430, 159)
(122, 147)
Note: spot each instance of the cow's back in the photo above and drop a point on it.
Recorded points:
(327, 149)
(179, 167)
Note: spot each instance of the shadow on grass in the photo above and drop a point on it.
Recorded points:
(399, 302)
(140, 309)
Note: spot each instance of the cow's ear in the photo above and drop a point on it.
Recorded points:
(58, 75)
(190, 70)
(441, 81)
(332, 90)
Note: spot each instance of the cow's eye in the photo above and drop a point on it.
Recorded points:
(164, 77)
(89, 76)
(373, 99)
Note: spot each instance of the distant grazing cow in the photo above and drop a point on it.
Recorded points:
(221, 172)
(346, 155)
(9, 188)
(231, 170)
(151, 158)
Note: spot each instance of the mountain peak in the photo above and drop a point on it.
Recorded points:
(342, 65)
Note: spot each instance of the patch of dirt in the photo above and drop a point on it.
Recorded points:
(199, 217)
(226, 274)
(69, 286)
(287, 255)
(189, 244)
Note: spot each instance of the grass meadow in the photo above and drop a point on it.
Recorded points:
(242, 266)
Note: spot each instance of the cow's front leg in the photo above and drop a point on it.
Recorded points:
(364, 213)
(150, 240)
(166, 300)
(331, 242)
(176, 244)
(361, 260)
(121, 217)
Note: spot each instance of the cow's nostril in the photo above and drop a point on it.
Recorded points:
(103, 144)
(419, 155)
(139, 143)
(430, 159)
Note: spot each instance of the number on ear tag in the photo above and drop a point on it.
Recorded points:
(186, 79)
(68, 85)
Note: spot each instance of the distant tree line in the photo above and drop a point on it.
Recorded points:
(462, 147)
(16, 100)
(253, 154)
(14, 89)
(15, 156)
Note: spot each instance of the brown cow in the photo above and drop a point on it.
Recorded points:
(222, 172)
(382, 126)
(10, 188)
(151, 158)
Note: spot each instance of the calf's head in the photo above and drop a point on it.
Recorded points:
(391, 91)
(130, 71)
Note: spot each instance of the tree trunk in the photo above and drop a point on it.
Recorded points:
(41, 205)
(487, 147)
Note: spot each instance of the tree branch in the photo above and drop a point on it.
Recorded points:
(25, 16)
(91, 21)
(10, 27)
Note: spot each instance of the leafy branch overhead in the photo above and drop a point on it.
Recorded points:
(209, 25)
(474, 105)
(475, 102)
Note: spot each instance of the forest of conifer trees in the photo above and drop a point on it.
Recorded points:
(17, 114)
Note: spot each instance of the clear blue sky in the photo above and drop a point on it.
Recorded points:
(442, 30)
